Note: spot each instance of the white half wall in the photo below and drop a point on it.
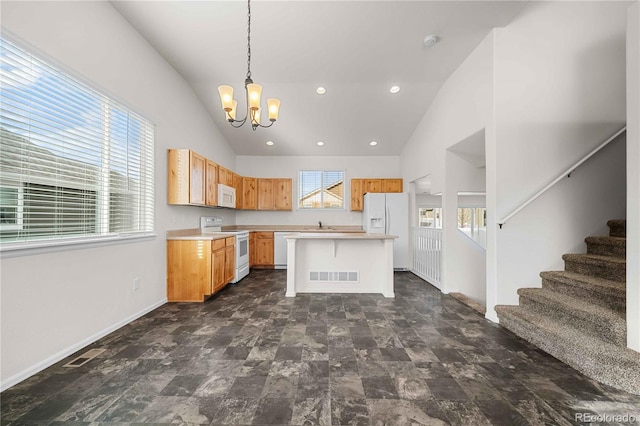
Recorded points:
(289, 166)
(463, 260)
(633, 177)
(55, 303)
(559, 92)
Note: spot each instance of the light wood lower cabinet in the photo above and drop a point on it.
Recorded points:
(252, 249)
(264, 249)
(196, 269)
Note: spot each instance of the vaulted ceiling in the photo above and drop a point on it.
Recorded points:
(357, 50)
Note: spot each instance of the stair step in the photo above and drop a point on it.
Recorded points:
(617, 228)
(607, 267)
(611, 294)
(591, 319)
(607, 246)
(610, 364)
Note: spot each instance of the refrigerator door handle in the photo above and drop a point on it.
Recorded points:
(387, 222)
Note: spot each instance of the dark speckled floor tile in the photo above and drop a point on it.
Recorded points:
(251, 356)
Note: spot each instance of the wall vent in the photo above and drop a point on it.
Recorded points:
(84, 358)
(333, 276)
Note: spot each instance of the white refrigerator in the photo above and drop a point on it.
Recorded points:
(388, 213)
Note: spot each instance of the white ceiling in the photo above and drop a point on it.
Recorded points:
(356, 49)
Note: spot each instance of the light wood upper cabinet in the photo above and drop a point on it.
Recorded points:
(282, 194)
(237, 184)
(211, 179)
(264, 249)
(359, 187)
(265, 194)
(372, 185)
(275, 194)
(225, 176)
(391, 185)
(357, 192)
(186, 177)
(249, 193)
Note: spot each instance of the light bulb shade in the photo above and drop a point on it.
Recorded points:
(273, 105)
(254, 91)
(226, 97)
(234, 107)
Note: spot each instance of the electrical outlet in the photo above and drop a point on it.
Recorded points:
(136, 283)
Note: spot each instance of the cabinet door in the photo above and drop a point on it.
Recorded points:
(391, 185)
(265, 194)
(237, 184)
(178, 176)
(218, 258)
(357, 193)
(264, 248)
(372, 185)
(252, 249)
(225, 176)
(211, 175)
(229, 263)
(282, 194)
(196, 178)
(249, 193)
(188, 273)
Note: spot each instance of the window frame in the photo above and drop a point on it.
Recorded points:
(19, 207)
(142, 226)
(316, 209)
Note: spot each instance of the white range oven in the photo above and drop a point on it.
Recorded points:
(214, 225)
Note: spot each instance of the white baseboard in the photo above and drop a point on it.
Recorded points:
(34, 369)
(492, 316)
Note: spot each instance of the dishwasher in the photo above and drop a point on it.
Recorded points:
(280, 250)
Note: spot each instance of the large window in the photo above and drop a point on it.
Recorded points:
(321, 189)
(74, 163)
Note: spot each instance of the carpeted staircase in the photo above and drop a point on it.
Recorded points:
(578, 315)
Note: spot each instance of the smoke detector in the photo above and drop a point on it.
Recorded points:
(430, 40)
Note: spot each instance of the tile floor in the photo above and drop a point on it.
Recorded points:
(252, 356)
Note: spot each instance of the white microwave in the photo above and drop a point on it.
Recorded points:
(226, 196)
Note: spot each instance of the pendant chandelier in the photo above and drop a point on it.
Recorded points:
(253, 93)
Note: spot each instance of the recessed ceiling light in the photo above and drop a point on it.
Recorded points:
(373, 143)
(430, 40)
(320, 143)
(270, 143)
(321, 90)
(394, 89)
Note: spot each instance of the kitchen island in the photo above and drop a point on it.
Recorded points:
(339, 263)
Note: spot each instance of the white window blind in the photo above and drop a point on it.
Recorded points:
(73, 162)
(321, 189)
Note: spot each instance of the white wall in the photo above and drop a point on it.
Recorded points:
(462, 109)
(633, 177)
(559, 92)
(58, 302)
(288, 167)
(463, 260)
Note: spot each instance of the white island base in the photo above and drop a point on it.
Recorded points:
(339, 263)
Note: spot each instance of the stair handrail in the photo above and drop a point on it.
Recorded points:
(566, 173)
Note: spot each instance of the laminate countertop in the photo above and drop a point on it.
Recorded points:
(197, 234)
